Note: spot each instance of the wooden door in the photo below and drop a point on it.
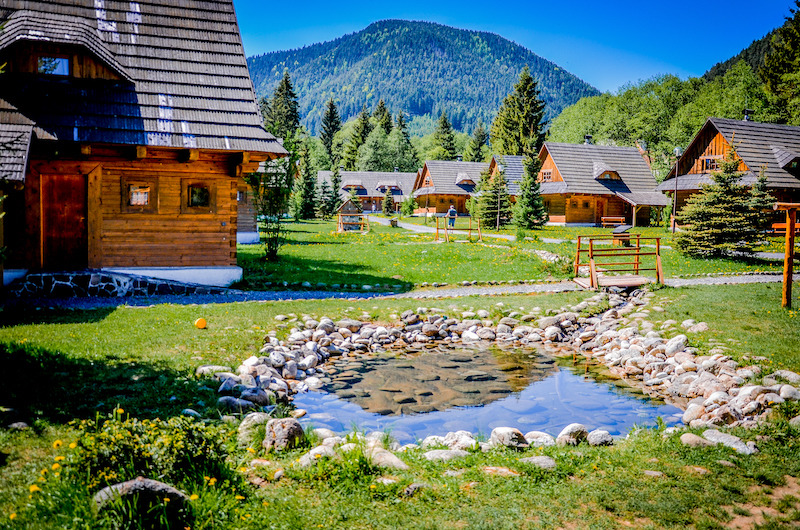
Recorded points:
(64, 234)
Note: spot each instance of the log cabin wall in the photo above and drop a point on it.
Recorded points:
(556, 206)
(246, 220)
(549, 171)
(168, 231)
(713, 146)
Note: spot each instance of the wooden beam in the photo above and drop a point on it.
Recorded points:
(788, 259)
(141, 151)
(189, 155)
(95, 217)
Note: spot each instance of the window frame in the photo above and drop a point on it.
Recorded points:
(67, 58)
(211, 185)
(546, 175)
(126, 182)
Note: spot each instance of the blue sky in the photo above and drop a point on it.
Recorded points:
(607, 43)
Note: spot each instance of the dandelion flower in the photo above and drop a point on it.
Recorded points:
(166, 499)
(58, 458)
(57, 444)
(12, 516)
(239, 497)
(194, 497)
(33, 488)
(55, 466)
(73, 445)
(120, 411)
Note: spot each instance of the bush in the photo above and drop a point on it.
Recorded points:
(177, 450)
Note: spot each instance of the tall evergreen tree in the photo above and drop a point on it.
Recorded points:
(331, 124)
(324, 202)
(493, 206)
(444, 138)
(336, 189)
(781, 66)
(359, 135)
(529, 210)
(383, 118)
(387, 206)
(518, 128)
(376, 153)
(280, 113)
(403, 151)
(761, 201)
(305, 187)
(719, 220)
(475, 151)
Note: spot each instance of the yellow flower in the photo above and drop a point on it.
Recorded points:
(33, 488)
(57, 444)
(212, 481)
(12, 516)
(55, 466)
(120, 411)
(239, 497)
(242, 469)
(194, 497)
(58, 458)
(73, 445)
(166, 499)
(372, 486)
(251, 450)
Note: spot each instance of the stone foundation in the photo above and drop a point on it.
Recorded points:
(103, 284)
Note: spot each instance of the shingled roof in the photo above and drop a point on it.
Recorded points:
(183, 77)
(450, 177)
(373, 182)
(512, 168)
(758, 145)
(581, 164)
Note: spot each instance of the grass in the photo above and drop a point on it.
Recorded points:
(61, 365)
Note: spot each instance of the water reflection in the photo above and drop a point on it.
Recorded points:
(475, 390)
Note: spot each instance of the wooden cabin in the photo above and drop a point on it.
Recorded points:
(441, 183)
(351, 217)
(513, 171)
(246, 216)
(370, 186)
(776, 148)
(139, 121)
(597, 185)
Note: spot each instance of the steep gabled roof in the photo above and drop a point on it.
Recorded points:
(581, 164)
(372, 181)
(512, 168)
(767, 145)
(445, 175)
(183, 82)
(15, 137)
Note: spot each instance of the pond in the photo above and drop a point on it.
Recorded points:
(433, 392)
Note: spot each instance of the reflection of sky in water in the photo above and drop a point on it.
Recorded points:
(548, 405)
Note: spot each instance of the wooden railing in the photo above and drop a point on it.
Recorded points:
(600, 256)
(447, 230)
(362, 223)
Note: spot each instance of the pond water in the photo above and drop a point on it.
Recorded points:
(433, 392)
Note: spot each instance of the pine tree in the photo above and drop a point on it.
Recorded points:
(336, 190)
(324, 201)
(387, 206)
(383, 118)
(761, 201)
(493, 203)
(331, 124)
(529, 210)
(444, 139)
(305, 188)
(280, 113)
(359, 135)
(403, 151)
(719, 220)
(477, 144)
(518, 128)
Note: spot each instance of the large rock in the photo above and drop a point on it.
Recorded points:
(461, 440)
(693, 412)
(599, 437)
(676, 344)
(249, 427)
(282, 434)
(692, 440)
(508, 437)
(210, 369)
(444, 454)
(544, 462)
(728, 440)
(313, 456)
(539, 439)
(258, 396)
(572, 434)
(385, 459)
(232, 404)
(149, 502)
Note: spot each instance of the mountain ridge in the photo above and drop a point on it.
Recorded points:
(419, 67)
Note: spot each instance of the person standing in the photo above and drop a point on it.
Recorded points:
(451, 216)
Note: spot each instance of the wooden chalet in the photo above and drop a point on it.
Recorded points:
(131, 125)
(513, 170)
(370, 186)
(773, 147)
(441, 183)
(587, 184)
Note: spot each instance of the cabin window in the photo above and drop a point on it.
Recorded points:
(709, 163)
(139, 195)
(198, 197)
(546, 175)
(585, 204)
(547, 205)
(608, 175)
(240, 196)
(53, 66)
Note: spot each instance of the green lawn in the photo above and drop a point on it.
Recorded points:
(63, 365)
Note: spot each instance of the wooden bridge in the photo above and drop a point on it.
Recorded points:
(610, 255)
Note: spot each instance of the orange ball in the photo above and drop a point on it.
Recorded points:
(200, 323)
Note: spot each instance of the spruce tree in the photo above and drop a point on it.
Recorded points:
(376, 153)
(387, 206)
(403, 151)
(280, 113)
(305, 188)
(529, 210)
(331, 124)
(518, 128)
(359, 135)
(719, 220)
(444, 138)
(383, 118)
(336, 190)
(761, 201)
(477, 144)
(493, 203)
(324, 201)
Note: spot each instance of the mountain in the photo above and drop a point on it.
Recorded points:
(420, 68)
(753, 55)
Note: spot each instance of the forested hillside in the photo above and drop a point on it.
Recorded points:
(420, 68)
(753, 55)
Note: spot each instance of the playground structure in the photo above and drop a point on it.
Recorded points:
(351, 218)
(616, 253)
(447, 231)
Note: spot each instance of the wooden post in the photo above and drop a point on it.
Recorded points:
(659, 269)
(436, 237)
(592, 268)
(788, 258)
(578, 257)
(638, 250)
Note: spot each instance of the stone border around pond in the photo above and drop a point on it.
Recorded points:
(713, 389)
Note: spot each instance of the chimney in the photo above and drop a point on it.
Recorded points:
(396, 169)
(459, 158)
(587, 139)
(747, 113)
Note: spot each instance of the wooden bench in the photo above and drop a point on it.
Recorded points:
(612, 221)
(779, 229)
